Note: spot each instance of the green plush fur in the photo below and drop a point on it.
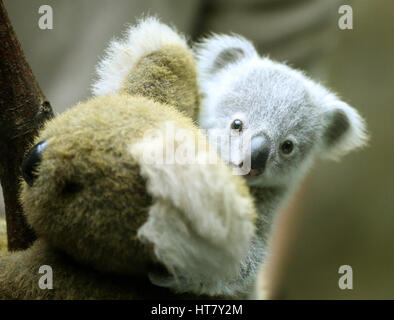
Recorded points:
(89, 199)
(172, 82)
(88, 150)
(87, 204)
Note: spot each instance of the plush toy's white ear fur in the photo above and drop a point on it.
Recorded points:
(344, 129)
(218, 51)
(147, 36)
(202, 232)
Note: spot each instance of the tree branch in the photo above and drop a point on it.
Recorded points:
(23, 111)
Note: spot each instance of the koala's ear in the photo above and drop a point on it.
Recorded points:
(343, 128)
(219, 51)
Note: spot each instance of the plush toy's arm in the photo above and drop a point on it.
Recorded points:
(19, 277)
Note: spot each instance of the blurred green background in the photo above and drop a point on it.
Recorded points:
(344, 214)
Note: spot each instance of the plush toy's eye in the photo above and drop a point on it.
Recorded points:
(237, 125)
(287, 147)
(31, 162)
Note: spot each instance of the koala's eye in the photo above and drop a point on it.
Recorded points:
(287, 147)
(31, 162)
(237, 125)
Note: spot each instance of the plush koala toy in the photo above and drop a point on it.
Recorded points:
(114, 222)
(273, 116)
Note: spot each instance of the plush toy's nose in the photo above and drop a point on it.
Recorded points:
(31, 162)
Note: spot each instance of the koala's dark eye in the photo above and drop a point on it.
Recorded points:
(237, 125)
(287, 147)
(31, 161)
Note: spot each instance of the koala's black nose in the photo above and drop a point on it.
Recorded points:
(259, 158)
(31, 162)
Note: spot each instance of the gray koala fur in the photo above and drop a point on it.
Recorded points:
(274, 103)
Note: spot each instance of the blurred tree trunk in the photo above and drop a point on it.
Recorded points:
(23, 111)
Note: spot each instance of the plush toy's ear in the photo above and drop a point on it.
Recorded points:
(343, 128)
(149, 35)
(153, 61)
(215, 53)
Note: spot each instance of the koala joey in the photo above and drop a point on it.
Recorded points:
(290, 121)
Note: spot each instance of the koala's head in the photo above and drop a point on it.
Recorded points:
(286, 119)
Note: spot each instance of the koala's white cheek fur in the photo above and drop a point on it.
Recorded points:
(199, 232)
